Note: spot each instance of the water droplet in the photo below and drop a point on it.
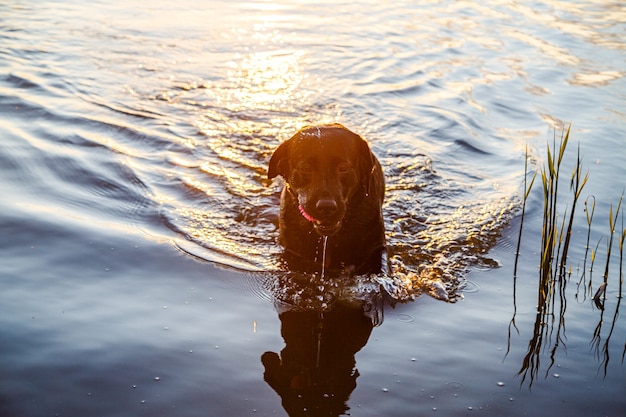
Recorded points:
(134, 386)
(385, 390)
(413, 359)
(166, 328)
(470, 408)
(156, 378)
(143, 401)
(434, 408)
(500, 384)
(164, 307)
(556, 375)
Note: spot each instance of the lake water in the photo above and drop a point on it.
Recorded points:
(138, 255)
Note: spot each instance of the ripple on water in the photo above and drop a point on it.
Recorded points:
(405, 318)
(437, 226)
(442, 212)
(455, 386)
(470, 287)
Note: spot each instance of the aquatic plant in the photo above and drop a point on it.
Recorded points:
(527, 188)
(589, 212)
(554, 274)
(555, 237)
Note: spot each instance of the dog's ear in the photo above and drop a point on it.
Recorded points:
(279, 162)
(367, 165)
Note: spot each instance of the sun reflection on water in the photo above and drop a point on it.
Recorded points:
(242, 118)
(267, 80)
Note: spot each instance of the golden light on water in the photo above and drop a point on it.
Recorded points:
(267, 80)
(242, 115)
(261, 95)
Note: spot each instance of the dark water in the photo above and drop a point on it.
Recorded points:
(138, 263)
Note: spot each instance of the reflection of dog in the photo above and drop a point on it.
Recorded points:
(316, 369)
(334, 187)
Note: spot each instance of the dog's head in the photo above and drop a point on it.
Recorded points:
(324, 167)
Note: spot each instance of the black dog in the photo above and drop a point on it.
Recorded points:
(334, 190)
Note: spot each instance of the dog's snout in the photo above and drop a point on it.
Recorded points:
(326, 206)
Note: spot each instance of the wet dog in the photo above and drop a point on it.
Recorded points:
(333, 193)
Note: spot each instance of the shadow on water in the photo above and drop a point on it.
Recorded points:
(315, 372)
(326, 317)
(549, 329)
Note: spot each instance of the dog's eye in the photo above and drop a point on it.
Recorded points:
(343, 168)
(305, 168)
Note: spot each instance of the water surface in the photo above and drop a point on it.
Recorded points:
(139, 271)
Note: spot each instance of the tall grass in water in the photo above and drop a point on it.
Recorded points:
(556, 239)
(527, 188)
(556, 235)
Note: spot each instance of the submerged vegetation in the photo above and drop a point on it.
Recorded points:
(555, 269)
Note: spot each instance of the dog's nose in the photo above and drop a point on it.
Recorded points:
(326, 206)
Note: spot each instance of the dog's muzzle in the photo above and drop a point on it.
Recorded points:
(323, 228)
